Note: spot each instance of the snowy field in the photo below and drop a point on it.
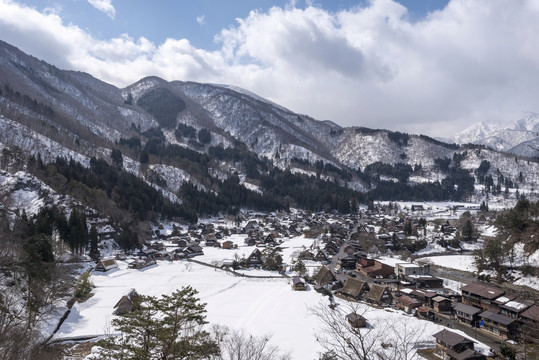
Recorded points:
(258, 306)
(457, 262)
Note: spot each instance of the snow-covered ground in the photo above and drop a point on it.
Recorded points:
(259, 306)
(458, 262)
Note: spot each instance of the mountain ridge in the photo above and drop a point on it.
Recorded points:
(169, 133)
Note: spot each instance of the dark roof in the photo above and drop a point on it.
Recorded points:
(440, 298)
(424, 293)
(517, 305)
(354, 317)
(467, 309)
(505, 298)
(376, 292)
(531, 313)
(485, 291)
(406, 300)
(325, 276)
(354, 287)
(127, 302)
(450, 338)
(499, 318)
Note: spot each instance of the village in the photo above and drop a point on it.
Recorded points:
(367, 258)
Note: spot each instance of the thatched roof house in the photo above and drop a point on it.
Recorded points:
(106, 265)
(355, 288)
(325, 276)
(356, 321)
(379, 295)
(127, 303)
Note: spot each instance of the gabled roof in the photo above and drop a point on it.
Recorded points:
(531, 313)
(406, 300)
(325, 276)
(485, 291)
(354, 287)
(376, 292)
(467, 309)
(424, 293)
(517, 305)
(499, 318)
(504, 299)
(450, 338)
(440, 298)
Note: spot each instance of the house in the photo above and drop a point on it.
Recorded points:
(377, 269)
(355, 288)
(480, 295)
(298, 284)
(255, 259)
(325, 276)
(407, 304)
(162, 255)
(423, 313)
(356, 321)
(127, 303)
(322, 256)
(348, 262)
(406, 269)
(453, 346)
(425, 281)
(418, 208)
(136, 264)
(499, 324)
(250, 241)
(106, 265)
(306, 255)
(529, 324)
(424, 296)
(228, 244)
(379, 295)
(441, 304)
(467, 314)
(514, 308)
(193, 250)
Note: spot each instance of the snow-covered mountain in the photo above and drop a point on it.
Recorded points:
(53, 113)
(518, 137)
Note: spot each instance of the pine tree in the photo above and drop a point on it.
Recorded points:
(169, 327)
(94, 250)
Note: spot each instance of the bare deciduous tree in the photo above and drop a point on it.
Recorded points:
(237, 345)
(397, 339)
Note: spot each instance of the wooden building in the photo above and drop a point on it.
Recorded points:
(356, 321)
(407, 304)
(325, 276)
(379, 295)
(106, 265)
(499, 324)
(298, 284)
(441, 304)
(529, 324)
(355, 288)
(452, 346)
(466, 314)
(480, 295)
(127, 303)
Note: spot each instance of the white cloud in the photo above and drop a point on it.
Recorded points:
(367, 66)
(104, 6)
(201, 20)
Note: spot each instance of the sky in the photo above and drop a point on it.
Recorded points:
(419, 66)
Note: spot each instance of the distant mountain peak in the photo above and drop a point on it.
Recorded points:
(502, 136)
